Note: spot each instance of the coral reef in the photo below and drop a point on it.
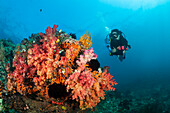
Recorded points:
(54, 67)
(6, 56)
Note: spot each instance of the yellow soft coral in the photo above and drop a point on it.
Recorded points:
(86, 40)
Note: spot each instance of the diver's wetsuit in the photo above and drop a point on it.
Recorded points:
(115, 43)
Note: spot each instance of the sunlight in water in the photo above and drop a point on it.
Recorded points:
(135, 4)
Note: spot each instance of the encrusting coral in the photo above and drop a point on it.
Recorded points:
(53, 59)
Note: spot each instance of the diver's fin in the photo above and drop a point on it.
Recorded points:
(121, 57)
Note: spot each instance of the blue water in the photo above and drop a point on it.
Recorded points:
(145, 23)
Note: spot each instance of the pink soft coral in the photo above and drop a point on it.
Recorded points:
(86, 57)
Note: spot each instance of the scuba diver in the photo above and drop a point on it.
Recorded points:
(117, 44)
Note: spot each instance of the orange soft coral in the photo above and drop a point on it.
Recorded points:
(72, 51)
(86, 40)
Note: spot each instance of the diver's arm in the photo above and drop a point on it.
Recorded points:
(111, 49)
(129, 46)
